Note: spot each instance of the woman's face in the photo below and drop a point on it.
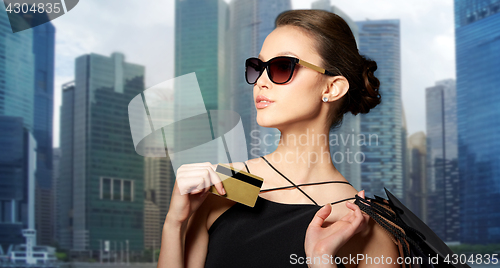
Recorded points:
(299, 100)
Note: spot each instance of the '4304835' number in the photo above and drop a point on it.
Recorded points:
(473, 258)
(40, 8)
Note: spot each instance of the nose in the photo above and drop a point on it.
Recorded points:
(263, 80)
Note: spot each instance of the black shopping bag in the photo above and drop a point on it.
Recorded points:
(412, 236)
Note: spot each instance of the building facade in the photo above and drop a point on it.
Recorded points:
(64, 189)
(416, 191)
(200, 29)
(43, 49)
(477, 41)
(107, 202)
(442, 169)
(381, 128)
(17, 169)
(17, 184)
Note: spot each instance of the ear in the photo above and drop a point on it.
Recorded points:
(336, 88)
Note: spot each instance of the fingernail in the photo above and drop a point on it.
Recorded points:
(223, 191)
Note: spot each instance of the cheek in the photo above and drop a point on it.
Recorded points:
(301, 100)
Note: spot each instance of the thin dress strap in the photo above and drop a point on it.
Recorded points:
(303, 184)
(246, 167)
(290, 181)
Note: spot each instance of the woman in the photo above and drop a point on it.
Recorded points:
(289, 225)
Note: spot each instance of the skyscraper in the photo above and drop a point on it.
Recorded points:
(381, 127)
(38, 98)
(64, 190)
(404, 153)
(158, 185)
(43, 49)
(17, 71)
(17, 183)
(17, 169)
(98, 154)
(416, 199)
(349, 166)
(477, 41)
(442, 171)
(250, 23)
(200, 28)
(56, 159)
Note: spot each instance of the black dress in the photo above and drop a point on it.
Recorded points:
(270, 234)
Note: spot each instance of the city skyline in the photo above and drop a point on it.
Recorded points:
(423, 24)
(106, 191)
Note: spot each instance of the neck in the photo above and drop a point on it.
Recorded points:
(303, 155)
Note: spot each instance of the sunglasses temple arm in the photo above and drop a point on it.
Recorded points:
(314, 67)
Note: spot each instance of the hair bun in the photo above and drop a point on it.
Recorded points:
(368, 95)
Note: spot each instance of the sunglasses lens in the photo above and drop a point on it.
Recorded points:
(253, 70)
(280, 70)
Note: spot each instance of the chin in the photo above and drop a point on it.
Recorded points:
(267, 122)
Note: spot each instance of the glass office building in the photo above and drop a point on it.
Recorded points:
(442, 170)
(35, 63)
(381, 128)
(200, 47)
(199, 44)
(17, 61)
(17, 170)
(416, 191)
(64, 190)
(98, 155)
(43, 49)
(477, 40)
(17, 65)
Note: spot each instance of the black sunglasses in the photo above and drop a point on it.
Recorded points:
(279, 69)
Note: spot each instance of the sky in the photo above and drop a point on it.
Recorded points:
(144, 32)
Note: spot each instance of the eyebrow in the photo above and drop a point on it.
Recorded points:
(283, 53)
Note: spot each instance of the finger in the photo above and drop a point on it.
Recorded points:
(194, 181)
(207, 164)
(349, 215)
(211, 175)
(358, 219)
(354, 211)
(215, 180)
(199, 187)
(188, 183)
(321, 216)
(362, 193)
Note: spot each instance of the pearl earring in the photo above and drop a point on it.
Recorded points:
(325, 99)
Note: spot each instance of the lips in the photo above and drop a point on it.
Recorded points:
(262, 102)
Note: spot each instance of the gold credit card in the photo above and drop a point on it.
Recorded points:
(240, 186)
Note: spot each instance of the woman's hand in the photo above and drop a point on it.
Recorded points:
(190, 190)
(328, 240)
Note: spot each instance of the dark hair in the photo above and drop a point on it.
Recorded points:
(336, 45)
